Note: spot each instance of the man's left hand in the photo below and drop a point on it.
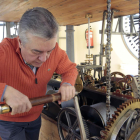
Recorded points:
(67, 92)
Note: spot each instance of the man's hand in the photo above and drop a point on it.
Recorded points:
(67, 92)
(17, 101)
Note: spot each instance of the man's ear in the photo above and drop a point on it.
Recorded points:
(20, 44)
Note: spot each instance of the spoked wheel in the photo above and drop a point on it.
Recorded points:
(68, 127)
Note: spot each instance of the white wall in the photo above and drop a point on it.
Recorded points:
(120, 55)
(62, 34)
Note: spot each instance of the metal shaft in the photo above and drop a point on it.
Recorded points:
(112, 17)
(108, 59)
(102, 37)
(89, 36)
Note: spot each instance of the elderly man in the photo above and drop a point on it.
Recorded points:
(27, 63)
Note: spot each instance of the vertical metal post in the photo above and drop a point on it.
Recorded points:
(121, 24)
(108, 59)
(112, 17)
(70, 42)
(89, 37)
(8, 33)
(102, 37)
(15, 28)
(94, 59)
(131, 24)
(3, 29)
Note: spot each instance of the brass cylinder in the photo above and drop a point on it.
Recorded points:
(4, 109)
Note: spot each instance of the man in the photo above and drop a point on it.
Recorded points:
(27, 64)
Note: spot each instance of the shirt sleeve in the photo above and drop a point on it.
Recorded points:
(2, 97)
(2, 85)
(67, 84)
(66, 68)
(2, 91)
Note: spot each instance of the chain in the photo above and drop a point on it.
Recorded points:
(108, 59)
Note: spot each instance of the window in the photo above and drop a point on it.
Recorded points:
(132, 42)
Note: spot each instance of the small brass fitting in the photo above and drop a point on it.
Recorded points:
(88, 15)
(4, 109)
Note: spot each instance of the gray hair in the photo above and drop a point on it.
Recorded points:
(39, 22)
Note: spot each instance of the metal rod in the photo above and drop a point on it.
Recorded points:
(3, 30)
(112, 17)
(8, 32)
(89, 37)
(108, 60)
(117, 24)
(15, 28)
(121, 24)
(131, 25)
(102, 36)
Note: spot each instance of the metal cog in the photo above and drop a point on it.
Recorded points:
(130, 126)
(67, 121)
(126, 106)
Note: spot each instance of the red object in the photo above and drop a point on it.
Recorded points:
(14, 72)
(91, 38)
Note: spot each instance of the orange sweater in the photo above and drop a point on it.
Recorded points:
(14, 72)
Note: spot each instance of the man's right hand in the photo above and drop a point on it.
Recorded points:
(17, 101)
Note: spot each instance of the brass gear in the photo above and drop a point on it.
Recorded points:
(113, 74)
(89, 80)
(122, 83)
(126, 106)
(78, 84)
(126, 81)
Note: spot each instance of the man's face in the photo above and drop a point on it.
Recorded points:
(37, 50)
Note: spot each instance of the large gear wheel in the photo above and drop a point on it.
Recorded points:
(130, 126)
(121, 111)
(67, 121)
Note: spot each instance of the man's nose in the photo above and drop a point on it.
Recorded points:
(43, 57)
